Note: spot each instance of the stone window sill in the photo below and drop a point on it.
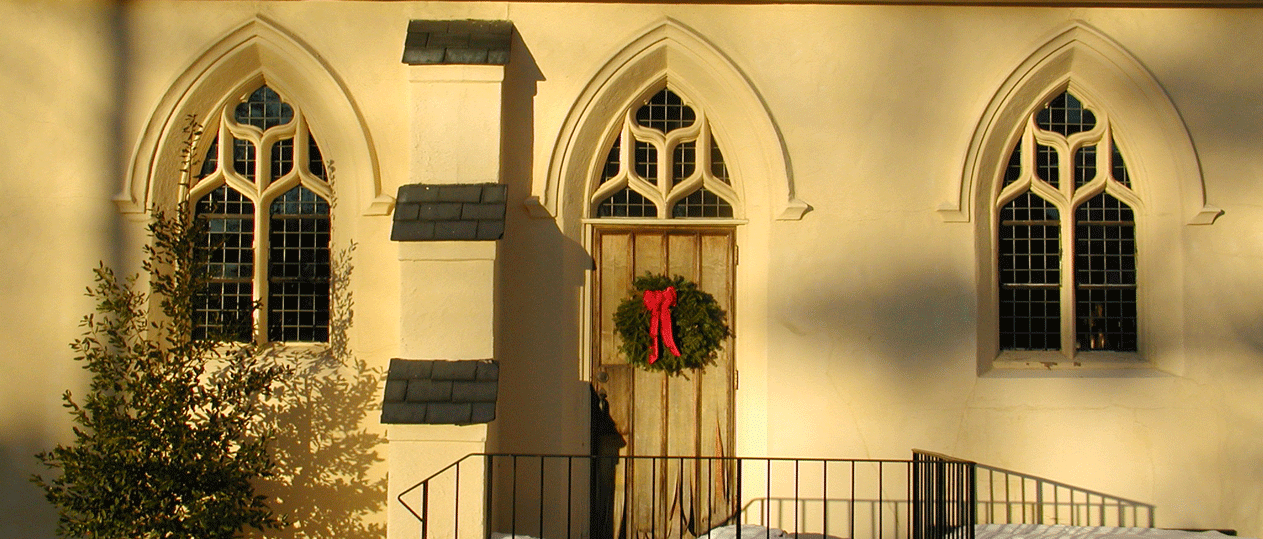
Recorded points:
(1054, 364)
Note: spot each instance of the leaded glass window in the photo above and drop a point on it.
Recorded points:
(1066, 236)
(263, 191)
(225, 310)
(298, 267)
(1030, 274)
(664, 162)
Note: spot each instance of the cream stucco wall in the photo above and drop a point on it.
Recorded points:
(857, 323)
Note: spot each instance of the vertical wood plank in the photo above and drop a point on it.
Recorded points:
(682, 390)
(715, 422)
(614, 271)
(651, 252)
(682, 399)
(648, 436)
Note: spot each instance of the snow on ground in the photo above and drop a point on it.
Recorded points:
(1039, 531)
(723, 532)
(985, 531)
(744, 532)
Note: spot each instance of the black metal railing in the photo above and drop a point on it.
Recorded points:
(931, 496)
(943, 496)
(1008, 497)
(575, 496)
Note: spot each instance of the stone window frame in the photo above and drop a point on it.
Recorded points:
(1170, 191)
(662, 191)
(667, 52)
(256, 50)
(258, 47)
(1066, 195)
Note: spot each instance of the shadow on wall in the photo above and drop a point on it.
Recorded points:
(324, 487)
(92, 95)
(23, 510)
(543, 405)
(909, 334)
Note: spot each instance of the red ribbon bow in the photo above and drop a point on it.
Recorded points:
(659, 303)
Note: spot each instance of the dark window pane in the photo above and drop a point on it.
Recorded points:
(1046, 165)
(718, 167)
(264, 110)
(298, 267)
(243, 158)
(224, 310)
(1065, 114)
(612, 163)
(1030, 273)
(684, 161)
(211, 162)
(282, 158)
(626, 203)
(1014, 170)
(702, 203)
(1105, 275)
(1119, 168)
(665, 112)
(1084, 165)
(315, 161)
(647, 162)
(1030, 318)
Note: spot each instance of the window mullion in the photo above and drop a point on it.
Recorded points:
(262, 163)
(663, 179)
(1069, 333)
(262, 217)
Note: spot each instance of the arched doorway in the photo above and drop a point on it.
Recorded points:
(663, 205)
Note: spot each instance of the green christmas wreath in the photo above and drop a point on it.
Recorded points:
(698, 324)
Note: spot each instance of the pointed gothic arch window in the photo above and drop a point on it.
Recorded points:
(664, 162)
(263, 190)
(1066, 250)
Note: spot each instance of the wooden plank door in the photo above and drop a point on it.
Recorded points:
(644, 413)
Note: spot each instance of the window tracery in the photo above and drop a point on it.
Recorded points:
(1067, 236)
(264, 193)
(664, 163)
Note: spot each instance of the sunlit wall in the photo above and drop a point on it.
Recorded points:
(856, 325)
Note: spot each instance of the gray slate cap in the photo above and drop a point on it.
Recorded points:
(440, 392)
(468, 42)
(450, 212)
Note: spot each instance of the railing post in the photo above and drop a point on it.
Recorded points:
(425, 510)
(488, 467)
(1039, 501)
(456, 506)
(918, 522)
(971, 469)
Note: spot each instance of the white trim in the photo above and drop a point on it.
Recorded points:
(1090, 56)
(456, 73)
(257, 48)
(662, 191)
(667, 51)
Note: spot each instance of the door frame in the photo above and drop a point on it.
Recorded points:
(593, 313)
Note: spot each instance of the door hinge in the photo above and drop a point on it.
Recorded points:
(736, 379)
(736, 254)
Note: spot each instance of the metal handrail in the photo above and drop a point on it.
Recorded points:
(819, 495)
(931, 496)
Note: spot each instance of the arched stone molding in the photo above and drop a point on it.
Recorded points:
(671, 52)
(1166, 181)
(253, 52)
(1081, 58)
